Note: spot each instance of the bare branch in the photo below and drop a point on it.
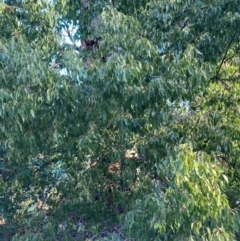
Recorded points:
(225, 54)
(70, 36)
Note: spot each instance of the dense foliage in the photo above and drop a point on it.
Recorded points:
(119, 120)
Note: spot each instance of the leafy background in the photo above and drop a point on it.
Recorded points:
(119, 120)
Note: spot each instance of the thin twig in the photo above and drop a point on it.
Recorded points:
(56, 65)
(185, 11)
(234, 55)
(11, 7)
(70, 36)
(225, 54)
(221, 80)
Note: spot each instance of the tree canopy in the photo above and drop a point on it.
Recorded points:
(119, 120)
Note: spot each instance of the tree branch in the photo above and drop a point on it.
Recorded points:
(70, 36)
(225, 54)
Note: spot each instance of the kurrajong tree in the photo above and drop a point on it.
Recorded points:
(119, 112)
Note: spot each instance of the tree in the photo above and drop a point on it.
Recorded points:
(138, 124)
